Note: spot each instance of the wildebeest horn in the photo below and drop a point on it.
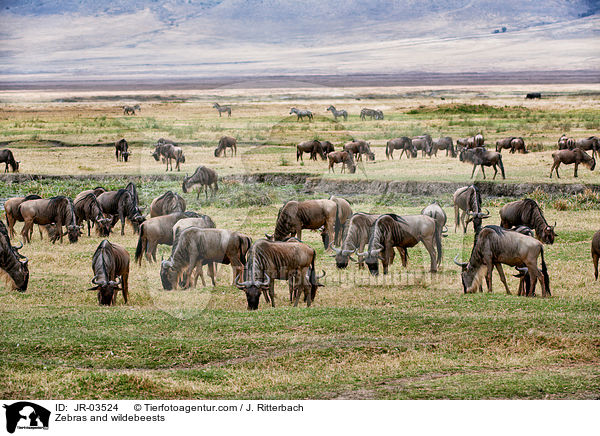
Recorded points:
(243, 284)
(364, 253)
(24, 259)
(268, 236)
(94, 280)
(265, 283)
(337, 250)
(486, 214)
(552, 227)
(461, 264)
(321, 276)
(19, 247)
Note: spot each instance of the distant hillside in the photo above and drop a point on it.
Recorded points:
(182, 38)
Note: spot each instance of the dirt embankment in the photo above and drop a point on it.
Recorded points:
(314, 184)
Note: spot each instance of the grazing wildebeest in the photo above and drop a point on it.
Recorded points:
(532, 95)
(122, 150)
(435, 211)
(567, 157)
(496, 246)
(154, 231)
(391, 230)
(566, 143)
(479, 156)
(222, 109)
(346, 158)
(465, 142)
(344, 212)
(590, 143)
(169, 152)
(327, 147)
(403, 143)
(596, 252)
(359, 148)
(224, 143)
(121, 204)
(202, 222)
(167, 203)
(267, 261)
(12, 263)
(130, 110)
(512, 143)
(203, 177)
(58, 210)
(301, 113)
(7, 157)
(527, 212)
(374, 114)
(110, 266)
(423, 143)
(356, 238)
(11, 209)
(468, 199)
(309, 214)
(89, 210)
(311, 147)
(338, 113)
(443, 143)
(197, 247)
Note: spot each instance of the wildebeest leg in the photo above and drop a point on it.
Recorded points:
(575, 173)
(533, 279)
(428, 243)
(403, 256)
(473, 172)
(502, 277)
(483, 171)
(456, 217)
(495, 172)
(595, 260)
(151, 251)
(25, 231)
(89, 227)
(211, 273)
(200, 273)
(272, 293)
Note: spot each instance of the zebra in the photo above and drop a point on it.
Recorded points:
(302, 113)
(222, 109)
(130, 110)
(337, 113)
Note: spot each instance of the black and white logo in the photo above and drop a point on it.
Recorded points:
(26, 415)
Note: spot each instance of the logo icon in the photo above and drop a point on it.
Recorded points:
(26, 415)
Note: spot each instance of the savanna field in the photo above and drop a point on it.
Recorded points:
(408, 335)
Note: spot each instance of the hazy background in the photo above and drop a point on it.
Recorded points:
(151, 39)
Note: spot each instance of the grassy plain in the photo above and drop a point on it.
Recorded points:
(408, 335)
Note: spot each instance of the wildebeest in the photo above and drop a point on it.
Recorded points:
(344, 212)
(527, 212)
(465, 142)
(567, 157)
(496, 246)
(122, 150)
(167, 203)
(12, 263)
(468, 199)
(423, 143)
(403, 143)
(327, 147)
(301, 113)
(444, 143)
(154, 231)
(11, 209)
(202, 222)
(596, 252)
(590, 143)
(203, 177)
(357, 236)
(224, 143)
(532, 95)
(566, 143)
(7, 157)
(391, 230)
(338, 113)
(435, 211)
(89, 210)
(121, 204)
(346, 158)
(358, 148)
(222, 109)
(96, 191)
(311, 147)
(169, 152)
(479, 156)
(130, 110)
(267, 261)
(512, 143)
(58, 210)
(372, 113)
(197, 247)
(110, 265)
(309, 214)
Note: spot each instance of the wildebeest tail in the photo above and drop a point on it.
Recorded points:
(545, 274)
(140, 246)
(438, 242)
(245, 243)
(387, 149)
(501, 166)
(338, 223)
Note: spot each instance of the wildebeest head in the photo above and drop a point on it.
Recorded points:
(73, 232)
(372, 258)
(547, 235)
(253, 289)
(342, 257)
(19, 273)
(156, 154)
(168, 275)
(467, 275)
(125, 155)
(477, 218)
(106, 290)
(104, 225)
